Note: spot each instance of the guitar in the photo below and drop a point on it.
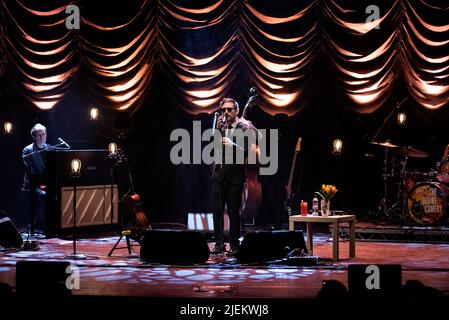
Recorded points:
(288, 188)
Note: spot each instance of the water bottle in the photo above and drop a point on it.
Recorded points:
(315, 206)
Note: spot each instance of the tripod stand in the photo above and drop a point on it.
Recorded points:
(133, 219)
(126, 234)
(395, 211)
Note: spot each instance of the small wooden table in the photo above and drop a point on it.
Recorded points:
(335, 220)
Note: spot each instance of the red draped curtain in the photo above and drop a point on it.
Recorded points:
(201, 48)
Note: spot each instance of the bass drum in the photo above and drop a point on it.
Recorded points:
(426, 202)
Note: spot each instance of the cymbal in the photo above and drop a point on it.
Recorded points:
(411, 152)
(386, 144)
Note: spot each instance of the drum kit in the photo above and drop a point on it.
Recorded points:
(423, 197)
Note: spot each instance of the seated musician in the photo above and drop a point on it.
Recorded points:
(443, 167)
(34, 181)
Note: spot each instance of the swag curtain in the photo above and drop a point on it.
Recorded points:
(203, 46)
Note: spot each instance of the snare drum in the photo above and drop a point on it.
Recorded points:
(426, 202)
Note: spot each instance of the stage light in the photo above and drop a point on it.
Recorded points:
(75, 173)
(401, 118)
(75, 167)
(112, 148)
(337, 145)
(94, 114)
(8, 127)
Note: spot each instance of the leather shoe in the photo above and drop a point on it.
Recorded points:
(234, 250)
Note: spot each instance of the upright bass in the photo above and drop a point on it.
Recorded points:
(133, 215)
(252, 190)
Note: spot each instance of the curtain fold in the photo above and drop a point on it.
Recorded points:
(204, 47)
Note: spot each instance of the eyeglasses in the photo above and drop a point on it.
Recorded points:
(223, 110)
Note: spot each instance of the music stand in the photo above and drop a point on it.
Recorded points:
(75, 174)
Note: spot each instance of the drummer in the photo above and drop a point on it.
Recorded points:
(443, 167)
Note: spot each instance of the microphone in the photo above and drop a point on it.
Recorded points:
(400, 103)
(214, 125)
(63, 142)
(223, 121)
(253, 91)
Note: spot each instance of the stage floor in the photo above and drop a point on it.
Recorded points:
(223, 277)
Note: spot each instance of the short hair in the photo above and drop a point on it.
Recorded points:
(224, 100)
(37, 127)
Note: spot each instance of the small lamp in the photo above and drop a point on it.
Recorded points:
(75, 172)
(8, 127)
(75, 167)
(94, 114)
(337, 145)
(401, 118)
(112, 148)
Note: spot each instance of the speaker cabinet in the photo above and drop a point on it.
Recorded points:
(45, 278)
(174, 247)
(9, 236)
(264, 246)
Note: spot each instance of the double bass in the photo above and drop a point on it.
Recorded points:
(252, 190)
(134, 218)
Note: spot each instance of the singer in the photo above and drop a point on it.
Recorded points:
(228, 178)
(33, 180)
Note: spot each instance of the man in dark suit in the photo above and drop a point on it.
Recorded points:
(33, 157)
(228, 177)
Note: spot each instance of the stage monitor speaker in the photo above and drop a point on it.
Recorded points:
(9, 236)
(50, 278)
(174, 247)
(264, 246)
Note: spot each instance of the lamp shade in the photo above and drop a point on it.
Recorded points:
(94, 114)
(75, 166)
(112, 148)
(401, 118)
(8, 127)
(337, 145)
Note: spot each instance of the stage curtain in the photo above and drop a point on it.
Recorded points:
(204, 49)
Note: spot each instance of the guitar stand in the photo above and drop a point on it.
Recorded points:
(126, 234)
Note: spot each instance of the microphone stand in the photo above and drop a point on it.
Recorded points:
(383, 204)
(55, 147)
(387, 118)
(75, 255)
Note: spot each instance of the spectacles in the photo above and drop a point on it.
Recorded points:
(223, 110)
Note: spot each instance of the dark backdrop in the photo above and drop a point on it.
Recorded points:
(321, 114)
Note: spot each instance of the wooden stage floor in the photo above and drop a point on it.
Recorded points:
(121, 276)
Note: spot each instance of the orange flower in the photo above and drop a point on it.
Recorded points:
(327, 191)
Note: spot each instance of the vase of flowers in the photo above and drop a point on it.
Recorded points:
(326, 193)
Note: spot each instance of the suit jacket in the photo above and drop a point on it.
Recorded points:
(233, 172)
